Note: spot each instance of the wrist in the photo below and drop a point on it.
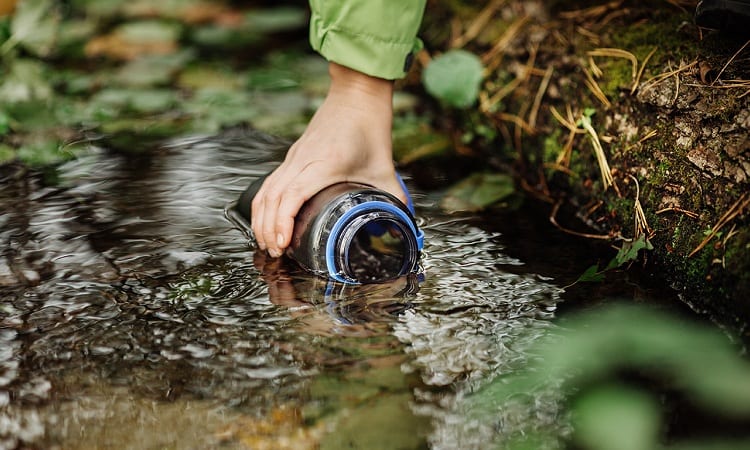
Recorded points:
(360, 86)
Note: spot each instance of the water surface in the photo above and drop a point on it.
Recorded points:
(135, 315)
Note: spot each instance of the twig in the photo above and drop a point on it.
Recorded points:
(641, 70)
(505, 40)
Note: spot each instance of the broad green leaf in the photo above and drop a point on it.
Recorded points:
(25, 82)
(149, 31)
(135, 100)
(43, 153)
(478, 191)
(616, 417)
(212, 109)
(34, 26)
(454, 77)
(205, 76)
(151, 70)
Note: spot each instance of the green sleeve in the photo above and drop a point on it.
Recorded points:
(376, 37)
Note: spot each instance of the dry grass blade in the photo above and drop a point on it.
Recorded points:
(735, 210)
(690, 214)
(592, 12)
(641, 224)
(601, 158)
(639, 75)
(476, 27)
(648, 136)
(617, 53)
(539, 96)
(513, 30)
(653, 81)
(729, 62)
(595, 89)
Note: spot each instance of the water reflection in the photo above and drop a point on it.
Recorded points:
(124, 285)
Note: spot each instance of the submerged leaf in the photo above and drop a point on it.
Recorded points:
(478, 191)
(454, 77)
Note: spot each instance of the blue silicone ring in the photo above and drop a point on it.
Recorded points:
(344, 219)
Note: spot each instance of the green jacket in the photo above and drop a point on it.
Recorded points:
(377, 37)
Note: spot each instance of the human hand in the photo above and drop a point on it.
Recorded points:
(348, 139)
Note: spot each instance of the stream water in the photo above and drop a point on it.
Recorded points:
(135, 315)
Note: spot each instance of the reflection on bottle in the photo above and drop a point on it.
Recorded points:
(346, 304)
(351, 233)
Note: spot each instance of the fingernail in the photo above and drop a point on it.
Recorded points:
(262, 246)
(280, 240)
(274, 253)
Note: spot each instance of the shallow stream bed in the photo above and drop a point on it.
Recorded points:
(135, 315)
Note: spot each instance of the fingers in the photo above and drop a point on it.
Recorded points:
(274, 208)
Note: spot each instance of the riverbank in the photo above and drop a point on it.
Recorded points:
(626, 115)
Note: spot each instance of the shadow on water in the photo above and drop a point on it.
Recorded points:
(135, 315)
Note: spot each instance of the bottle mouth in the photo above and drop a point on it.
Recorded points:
(372, 245)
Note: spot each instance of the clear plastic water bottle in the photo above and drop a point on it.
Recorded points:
(352, 233)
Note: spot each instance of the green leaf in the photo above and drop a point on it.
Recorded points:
(274, 20)
(4, 122)
(151, 70)
(43, 153)
(135, 100)
(34, 26)
(7, 154)
(25, 81)
(591, 275)
(478, 191)
(615, 417)
(454, 77)
(150, 31)
(629, 250)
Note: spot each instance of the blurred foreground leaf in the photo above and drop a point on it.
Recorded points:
(616, 417)
(454, 77)
(596, 347)
(477, 192)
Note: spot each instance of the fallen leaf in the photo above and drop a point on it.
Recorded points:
(477, 192)
(34, 26)
(25, 82)
(135, 39)
(7, 7)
